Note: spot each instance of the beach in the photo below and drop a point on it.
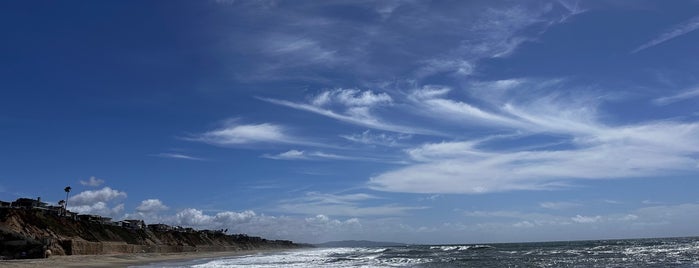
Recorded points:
(123, 260)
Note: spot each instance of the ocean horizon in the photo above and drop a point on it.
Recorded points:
(645, 252)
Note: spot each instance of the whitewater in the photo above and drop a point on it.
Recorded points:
(665, 252)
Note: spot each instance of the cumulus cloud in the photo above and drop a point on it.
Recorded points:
(91, 197)
(316, 228)
(92, 181)
(197, 218)
(102, 202)
(99, 208)
(151, 206)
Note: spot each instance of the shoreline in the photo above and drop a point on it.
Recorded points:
(128, 259)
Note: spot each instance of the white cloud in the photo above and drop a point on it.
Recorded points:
(586, 219)
(455, 66)
(233, 134)
(92, 181)
(431, 100)
(151, 206)
(99, 208)
(351, 98)
(291, 50)
(688, 94)
(559, 205)
(90, 198)
(178, 156)
(444, 150)
(364, 120)
(382, 139)
(197, 218)
(348, 205)
(589, 149)
(482, 171)
(316, 155)
(676, 31)
(102, 202)
(288, 155)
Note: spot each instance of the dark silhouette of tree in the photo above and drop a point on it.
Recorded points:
(67, 190)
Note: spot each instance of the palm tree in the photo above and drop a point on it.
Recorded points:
(67, 189)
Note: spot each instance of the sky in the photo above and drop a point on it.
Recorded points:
(407, 121)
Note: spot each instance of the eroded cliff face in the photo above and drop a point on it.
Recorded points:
(29, 233)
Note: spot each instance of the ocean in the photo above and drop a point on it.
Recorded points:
(663, 252)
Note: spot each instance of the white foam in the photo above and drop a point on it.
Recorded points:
(333, 257)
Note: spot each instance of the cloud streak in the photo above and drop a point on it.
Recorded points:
(348, 205)
(685, 95)
(676, 31)
(178, 156)
(359, 117)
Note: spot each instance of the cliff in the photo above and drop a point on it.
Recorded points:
(28, 233)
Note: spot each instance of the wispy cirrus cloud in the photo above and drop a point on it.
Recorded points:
(347, 205)
(616, 153)
(590, 149)
(304, 155)
(467, 33)
(684, 95)
(178, 156)
(356, 110)
(431, 100)
(674, 32)
(383, 139)
(559, 205)
(318, 156)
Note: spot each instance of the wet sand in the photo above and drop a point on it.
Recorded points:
(123, 260)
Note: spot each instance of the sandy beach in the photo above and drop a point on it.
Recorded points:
(122, 260)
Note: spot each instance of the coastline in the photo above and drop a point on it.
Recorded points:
(126, 259)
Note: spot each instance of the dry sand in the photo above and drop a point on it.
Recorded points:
(122, 260)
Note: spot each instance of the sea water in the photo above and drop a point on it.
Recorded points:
(665, 252)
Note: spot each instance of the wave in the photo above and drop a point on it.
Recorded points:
(460, 248)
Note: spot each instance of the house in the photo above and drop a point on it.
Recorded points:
(133, 224)
(55, 210)
(95, 219)
(71, 215)
(29, 203)
(160, 227)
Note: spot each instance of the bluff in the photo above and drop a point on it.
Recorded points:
(29, 233)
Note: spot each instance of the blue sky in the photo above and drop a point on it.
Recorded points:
(409, 121)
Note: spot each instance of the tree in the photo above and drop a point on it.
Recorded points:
(67, 190)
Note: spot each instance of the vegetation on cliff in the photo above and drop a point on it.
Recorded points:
(29, 233)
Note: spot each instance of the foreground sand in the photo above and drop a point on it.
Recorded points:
(123, 260)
